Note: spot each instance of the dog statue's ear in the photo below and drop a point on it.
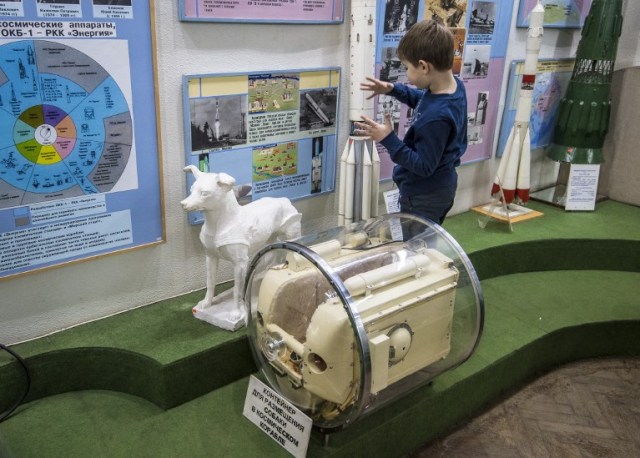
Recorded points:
(225, 181)
(193, 169)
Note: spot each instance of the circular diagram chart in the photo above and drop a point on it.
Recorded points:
(65, 125)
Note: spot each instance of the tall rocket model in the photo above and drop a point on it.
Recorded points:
(513, 174)
(359, 162)
(583, 116)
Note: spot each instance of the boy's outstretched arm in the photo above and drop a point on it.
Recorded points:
(376, 86)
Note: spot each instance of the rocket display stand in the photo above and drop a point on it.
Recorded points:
(497, 210)
(489, 213)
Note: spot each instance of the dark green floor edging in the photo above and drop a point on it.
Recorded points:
(128, 372)
(93, 368)
(557, 254)
(187, 380)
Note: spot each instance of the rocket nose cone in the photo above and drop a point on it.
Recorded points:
(537, 15)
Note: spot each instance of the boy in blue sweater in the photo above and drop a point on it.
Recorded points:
(427, 158)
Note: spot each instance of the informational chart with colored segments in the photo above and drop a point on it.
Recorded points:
(65, 125)
(79, 151)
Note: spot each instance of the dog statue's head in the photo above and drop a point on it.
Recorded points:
(209, 191)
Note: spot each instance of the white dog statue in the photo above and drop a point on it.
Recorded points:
(234, 232)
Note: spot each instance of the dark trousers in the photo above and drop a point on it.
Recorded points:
(434, 205)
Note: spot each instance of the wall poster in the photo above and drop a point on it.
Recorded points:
(79, 152)
(552, 80)
(297, 11)
(481, 31)
(274, 132)
(559, 14)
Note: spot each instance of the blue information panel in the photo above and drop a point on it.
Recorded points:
(274, 132)
(79, 155)
(552, 80)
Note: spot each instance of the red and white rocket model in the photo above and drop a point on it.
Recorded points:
(513, 174)
(359, 162)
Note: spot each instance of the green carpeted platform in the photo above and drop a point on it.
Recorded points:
(157, 382)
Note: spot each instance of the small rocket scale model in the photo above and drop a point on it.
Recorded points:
(513, 174)
(360, 162)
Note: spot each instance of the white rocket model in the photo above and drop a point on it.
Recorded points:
(513, 174)
(359, 162)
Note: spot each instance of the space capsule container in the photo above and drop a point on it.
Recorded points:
(344, 321)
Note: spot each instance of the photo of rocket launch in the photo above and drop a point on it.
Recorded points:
(218, 122)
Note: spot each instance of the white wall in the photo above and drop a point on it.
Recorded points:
(43, 302)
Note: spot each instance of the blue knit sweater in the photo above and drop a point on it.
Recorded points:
(432, 147)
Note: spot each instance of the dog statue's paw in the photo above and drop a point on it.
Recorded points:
(203, 304)
(223, 313)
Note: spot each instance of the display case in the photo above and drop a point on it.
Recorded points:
(344, 321)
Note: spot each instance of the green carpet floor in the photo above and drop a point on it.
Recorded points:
(156, 382)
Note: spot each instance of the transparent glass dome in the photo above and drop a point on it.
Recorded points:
(343, 321)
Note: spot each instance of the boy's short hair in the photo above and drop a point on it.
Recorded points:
(428, 40)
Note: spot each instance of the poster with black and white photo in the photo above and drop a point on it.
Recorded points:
(274, 132)
(480, 29)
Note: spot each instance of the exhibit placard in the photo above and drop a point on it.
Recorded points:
(277, 418)
(79, 149)
(392, 200)
(582, 187)
(274, 132)
(296, 11)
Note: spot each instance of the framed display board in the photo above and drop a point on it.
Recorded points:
(274, 132)
(481, 31)
(296, 11)
(552, 80)
(559, 14)
(79, 151)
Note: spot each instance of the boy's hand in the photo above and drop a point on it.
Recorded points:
(370, 128)
(376, 87)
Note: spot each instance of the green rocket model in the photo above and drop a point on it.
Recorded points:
(583, 118)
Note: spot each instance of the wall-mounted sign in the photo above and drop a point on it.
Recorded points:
(79, 168)
(274, 132)
(299, 11)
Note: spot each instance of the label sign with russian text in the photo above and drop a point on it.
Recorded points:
(277, 418)
(582, 188)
